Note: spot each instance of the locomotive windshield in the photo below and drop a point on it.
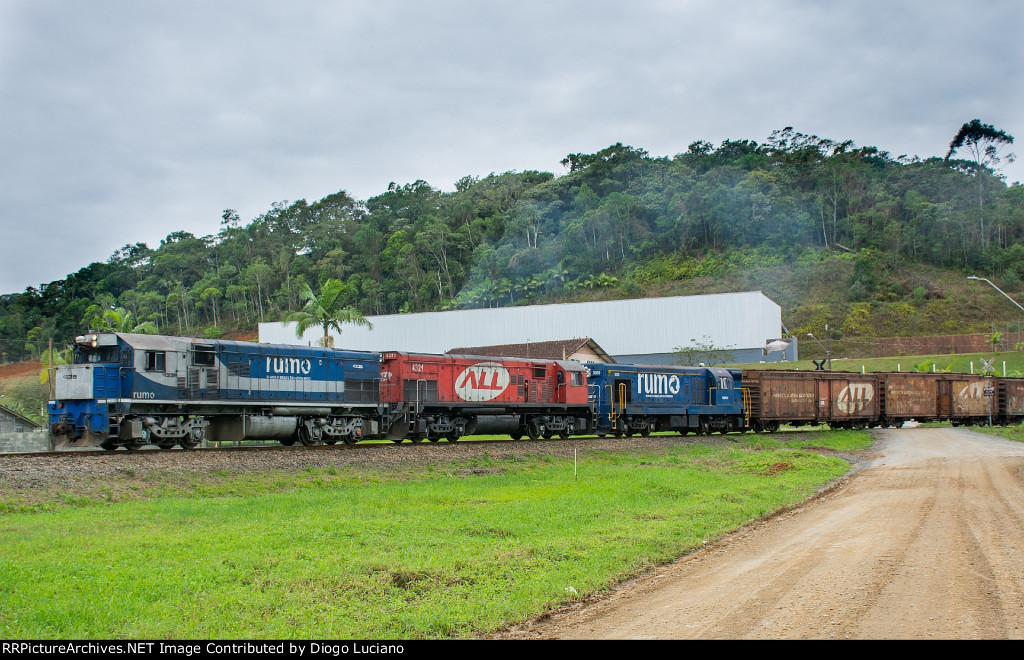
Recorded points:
(95, 355)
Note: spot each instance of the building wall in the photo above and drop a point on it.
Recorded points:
(11, 424)
(647, 326)
(27, 441)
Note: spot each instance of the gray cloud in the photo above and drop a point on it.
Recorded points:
(125, 121)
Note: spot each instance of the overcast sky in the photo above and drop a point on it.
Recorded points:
(122, 121)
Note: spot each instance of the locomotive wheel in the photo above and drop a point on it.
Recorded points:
(109, 446)
(452, 437)
(646, 431)
(563, 434)
(350, 439)
(433, 439)
(133, 445)
(305, 437)
(288, 442)
(188, 443)
(547, 435)
(533, 429)
(415, 439)
(705, 427)
(518, 435)
(166, 445)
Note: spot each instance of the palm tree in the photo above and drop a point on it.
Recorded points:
(117, 319)
(326, 310)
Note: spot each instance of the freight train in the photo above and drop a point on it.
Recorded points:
(129, 390)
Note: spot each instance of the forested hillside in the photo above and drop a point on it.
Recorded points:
(874, 244)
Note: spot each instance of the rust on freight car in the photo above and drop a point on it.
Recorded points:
(840, 399)
(929, 397)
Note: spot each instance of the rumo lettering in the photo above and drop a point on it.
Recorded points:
(657, 384)
(291, 366)
(143, 395)
(482, 382)
(855, 397)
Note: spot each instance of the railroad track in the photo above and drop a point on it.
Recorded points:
(87, 453)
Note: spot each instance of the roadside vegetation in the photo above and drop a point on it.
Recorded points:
(442, 551)
(1015, 433)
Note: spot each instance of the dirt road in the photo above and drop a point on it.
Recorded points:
(926, 541)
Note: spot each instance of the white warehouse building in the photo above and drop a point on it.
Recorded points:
(640, 331)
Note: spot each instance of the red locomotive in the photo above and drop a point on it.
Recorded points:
(448, 396)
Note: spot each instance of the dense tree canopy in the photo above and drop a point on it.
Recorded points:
(614, 222)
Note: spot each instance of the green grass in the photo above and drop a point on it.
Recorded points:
(959, 363)
(1015, 433)
(442, 551)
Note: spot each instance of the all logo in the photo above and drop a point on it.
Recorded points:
(855, 397)
(482, 382)
(972, 391)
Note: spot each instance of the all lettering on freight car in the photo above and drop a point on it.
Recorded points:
(855, 397)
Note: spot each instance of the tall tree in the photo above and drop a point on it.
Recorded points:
(328, 310)
(983, 142)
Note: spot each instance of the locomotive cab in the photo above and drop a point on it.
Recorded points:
(85, 390)
(95, 348)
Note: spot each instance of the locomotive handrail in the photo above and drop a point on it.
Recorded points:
(745, 394)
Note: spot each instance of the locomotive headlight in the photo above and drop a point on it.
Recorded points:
(87, 341)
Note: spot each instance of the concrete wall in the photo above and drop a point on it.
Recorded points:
(26, 441)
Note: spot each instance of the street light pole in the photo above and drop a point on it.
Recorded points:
(827, 347)
(972, 277)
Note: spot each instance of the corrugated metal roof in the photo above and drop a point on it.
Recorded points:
(621, 327)
(545, 350)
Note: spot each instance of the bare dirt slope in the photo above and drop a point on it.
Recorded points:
(927, 541)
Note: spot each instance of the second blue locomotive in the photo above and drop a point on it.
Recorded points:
(628, 399)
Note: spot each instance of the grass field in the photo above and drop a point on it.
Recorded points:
(443, 551)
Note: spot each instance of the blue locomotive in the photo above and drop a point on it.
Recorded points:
(130, 390)
(629, 399)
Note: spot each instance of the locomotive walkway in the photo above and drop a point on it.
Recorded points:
(925, 542)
